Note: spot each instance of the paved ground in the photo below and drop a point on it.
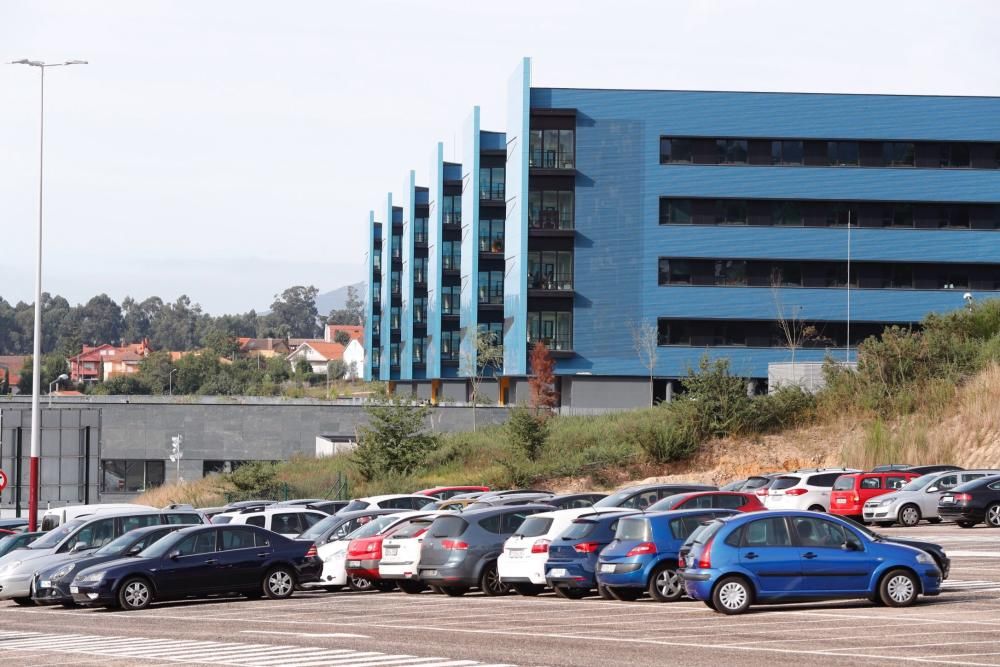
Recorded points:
(961, 627)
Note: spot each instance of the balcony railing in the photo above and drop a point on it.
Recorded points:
(551, 220)
(451, 262)
(491, 191)
(494, 245)
(419, 277)
(420, 237)
(551, 159)
(557, 281)
(451, 218)
(492, 296)
(557, 343)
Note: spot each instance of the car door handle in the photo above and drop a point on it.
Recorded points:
(809, 555)
(750, 556)
(212, 561)
(262, 554)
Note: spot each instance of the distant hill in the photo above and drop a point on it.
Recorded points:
(327, 301)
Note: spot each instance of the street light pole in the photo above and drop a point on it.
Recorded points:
(36, 367)
(170, 381)
(54, 383)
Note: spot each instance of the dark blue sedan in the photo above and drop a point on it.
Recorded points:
(201, 561)
(572, 563)
(643, 556)
(793, 556)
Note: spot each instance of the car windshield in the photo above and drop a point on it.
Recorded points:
(53, 538)
(355, 506)
(667, 503)
(615, 499)
(162, 546)
(534, 526)
(845, 483)
(374, 527)
(116, 545)
(918, 483)
(317, 530)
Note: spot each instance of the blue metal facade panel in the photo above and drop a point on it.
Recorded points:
(406, 309)
(373, 233)
(515, 284)
(619, 183)
(386, 295)
(435, 194)
(469, 313)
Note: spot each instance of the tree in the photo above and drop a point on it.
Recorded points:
(485, 359)
(645, 340)
(53, 365)
(528, 431)
(123, 385)
(542, 381)
(139, 319)
(175, 327)
(221, 344)
(341, 337)
(155, 370)
(353, 312)
(336, 369)
(395, 441)
(277, 369)
(101, 321)
(303, 367)
(293, 312)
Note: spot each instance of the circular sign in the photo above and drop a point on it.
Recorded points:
(3, 480)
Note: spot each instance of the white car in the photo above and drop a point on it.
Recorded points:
(918, 499)
(401, 553)
(334, 553)
(289, 521)
(522, 563)
(57, 516)
(807, 489)
(394, 501)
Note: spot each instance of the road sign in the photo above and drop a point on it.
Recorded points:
(3, 480)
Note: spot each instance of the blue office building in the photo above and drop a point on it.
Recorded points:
(710, 218)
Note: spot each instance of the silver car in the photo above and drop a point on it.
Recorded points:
(918, 499)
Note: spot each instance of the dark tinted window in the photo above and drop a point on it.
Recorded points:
(895, 482)
(579, 529)
(534, 526)
(94, 534)
(766, 533)
(356, 505)
(871, 483)
(698, 503)
(826, 479)
(994, 486)
(449, 526)
(703, 533)
(683, 527)
(413, 528)
(179, 519)
(286, 523)
(784, 483)
(844, 483)
(633, 528)
(140, 521)
(199, 543)
(256, 520)
(730, 502)
(237, 538)
(511, 521)
(642, 500)
(220, 519)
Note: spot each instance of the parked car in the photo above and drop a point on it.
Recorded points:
(935, 550)
(641, 497)
(567, 501)
(972, 503)
(396, 501)
(17, 541)
(200, 561)
(511, 492)
(454, 504)
(643, 556)
(243, 504)
(735, 485)
(727, 500)
(57, 516)
(51, 584)
(446, 492)
(918, 500)
(14, 525)
(287, 520)
(851, 492)
(333, 553)
(364, 553)
(572, 563)
(320, 505)
(511, 499)
(803, 489)
(338, 526)
(460, 551)
(522, 561)
(87, 533)
(929, 469)
(891, 467)
(791, 556)
(401, 554)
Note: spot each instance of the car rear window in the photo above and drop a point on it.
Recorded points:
(413, 528)
(356, 506)
(784, 483)
(534, 526)
(579, 529)
(704, 532)
(826, 479)
(220, 519)
(844, 483)
(683, 527)
(448, 526)
(633, 529)
(755, 483)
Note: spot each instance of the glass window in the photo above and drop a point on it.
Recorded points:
(451, 210)
(567, 149)
(786, 151)
(842, 153)
(675, 150)
(420, 230)
(140, 521)
(420, 270)
(730, 272)
(491, 287)
(237, 538)
(898, 153)
(491, 234)
(895, 482)
(810, 532)
(766, 533)
(675, 211)
(787, 213)
(397, 246)
(730, 212)
(633, 529)
(551, 209)
(200, 543)
(731, 151)
(94, 534)
(730, 502)
(871, 483)
(182, 519)
(491, 183)
(286, 523)
(420, 310)
(129, 476)
(451, 255)
(551, 269)
(257, 520)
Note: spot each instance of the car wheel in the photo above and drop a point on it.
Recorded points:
(135, 593)
(935, 519)
(360, 584)
(385, 585)
(626, 594)
(279, 583)
(817, 508)
(528, 589)
(568, 593)
(966, 524)
(731, 595)
(665, 585)
(709, 604)
(24, 602)
(332, 589)
(410, 586)
(993, 515)
(898, 588)
(454, 591)
(489, 581)
(604, 592)
(909, 515)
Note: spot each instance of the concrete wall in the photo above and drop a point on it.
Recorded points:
(604, 393)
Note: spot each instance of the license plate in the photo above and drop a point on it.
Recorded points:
(391, 551)
(45, 583)
(841, 501)
(516, 553)
(558, 572)
(430, 573)
(947, 499)
(353, 563)
(74, 589)
(607, 567)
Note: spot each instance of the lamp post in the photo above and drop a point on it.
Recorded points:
(37, 349)
(170, 381)
(52, 384)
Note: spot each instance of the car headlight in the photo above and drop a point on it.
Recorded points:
(886, 502)
(925, 559)
(91, 578)
(63, 571)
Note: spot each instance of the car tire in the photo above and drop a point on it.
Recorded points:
(909, 515)
(626, 594)
(993, 515)
(528, 590)
(24, 602)
(898, 588)
(731, 595)
(411, 586)
(454, 591)
(360, 584)
(385, 585)
(935, 519)
(708, 603)
(665, 585)
(279, 583)
(489, 581)
(134, 594)
(966, 524)
(604, 592)
(817, 508)
(568, 593)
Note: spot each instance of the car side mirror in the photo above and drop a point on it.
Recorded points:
(932, 489)
(174, 555)
(134, 550)
(849, 546)
(79, 546)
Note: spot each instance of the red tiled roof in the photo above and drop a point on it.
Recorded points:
(356, 332)
(13, 363)
(329, 351)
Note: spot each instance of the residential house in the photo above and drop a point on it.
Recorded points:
(101, 362)
(356, 332)
(10, 367)
(263, 347)
(318, 353)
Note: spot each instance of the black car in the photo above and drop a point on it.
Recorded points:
(973, 502)
(567, 501)
(641, 497)
(201, 561)
(51, 585)
(936, 551)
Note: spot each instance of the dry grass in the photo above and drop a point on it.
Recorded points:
(206, 492)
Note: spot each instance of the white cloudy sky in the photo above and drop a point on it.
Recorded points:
(229, 149)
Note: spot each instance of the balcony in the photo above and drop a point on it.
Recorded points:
(492, 246)
(551, 159)
(556, 343)
(451, 219)
(491, 297)
(451, 262)
(419, 278)
(492, 192)
(551, 220)
(553, 282)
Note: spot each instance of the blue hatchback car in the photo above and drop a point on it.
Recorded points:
(572, 563)
(643, 556)
(794, 556)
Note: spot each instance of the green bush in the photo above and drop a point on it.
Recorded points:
(671, 432)
(784, 408)
(395, 441)
(723, 404)
(527, 432)
(257, 479)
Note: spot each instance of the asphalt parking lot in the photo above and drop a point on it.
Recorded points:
(961, 627)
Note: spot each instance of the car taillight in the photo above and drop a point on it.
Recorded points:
(540, 546)
(681, 561)
(370, 546)
(454, 545)
(963, 497)
(641, 549)
(705, 559)
(586, 547)
(312, 553)
(795, 492)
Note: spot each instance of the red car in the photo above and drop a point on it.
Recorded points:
(364, 555)
(446, 492)
(849, 493)
(728, 500)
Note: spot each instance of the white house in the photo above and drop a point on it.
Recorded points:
(354, 357)
(320, 353)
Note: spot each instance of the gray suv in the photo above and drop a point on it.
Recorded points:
(460, 551)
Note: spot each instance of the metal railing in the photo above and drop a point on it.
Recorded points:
(551, 220)
(564, 342)
(492, 191)
(551, 159)
(560, 280)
